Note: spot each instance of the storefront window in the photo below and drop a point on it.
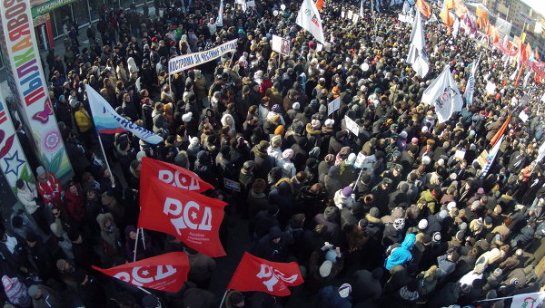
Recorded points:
(81, 13)
(60, 16)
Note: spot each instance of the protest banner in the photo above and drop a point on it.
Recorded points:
(184, 62)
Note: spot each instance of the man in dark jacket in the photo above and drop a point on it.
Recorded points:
(273, 246)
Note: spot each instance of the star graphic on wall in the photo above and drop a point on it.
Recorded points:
(13, 164)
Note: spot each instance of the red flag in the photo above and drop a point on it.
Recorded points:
(192, 218)
(423, 7)
(171, 174)
(256, 274)
(166, 272)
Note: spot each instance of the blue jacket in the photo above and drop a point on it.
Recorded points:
(401, 254)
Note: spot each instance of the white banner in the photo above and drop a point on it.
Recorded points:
(27, 79)
(184, 62)
(12, 158)
(351, 125)
(309, 19)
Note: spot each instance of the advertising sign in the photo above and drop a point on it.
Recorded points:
(12, 158)
(26, 79)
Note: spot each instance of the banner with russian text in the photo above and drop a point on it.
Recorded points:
(27, 80)
(184, 62)
(107, 121)
(12, 158)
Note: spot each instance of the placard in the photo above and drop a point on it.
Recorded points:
(231, 185)
(333, 106)
(351, 125)
(280, 45)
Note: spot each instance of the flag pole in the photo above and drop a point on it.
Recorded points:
(106, 160)
(135, 245)
(223, 298)
(143, 238)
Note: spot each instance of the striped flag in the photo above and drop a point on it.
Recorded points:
(491, 156)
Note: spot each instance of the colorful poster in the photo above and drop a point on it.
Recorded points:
(12, 158)
(26, 79)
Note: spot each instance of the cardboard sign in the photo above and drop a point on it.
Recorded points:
(333, 106)
(280, 45)
(352, 126)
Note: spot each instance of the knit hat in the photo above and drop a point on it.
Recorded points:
(276, 141)
(296, 106)
(331, 255)
(187, 117)
(325, 268)
(33, 291)
(443, 214)
(488, 223)
(345, 289)
(436, 237)
(279, 130)
(329, 122)
(330, 212)
(347, 191)
(422, 224)
(399, 224)
(276, 108)
(451, 205)
(374, 212)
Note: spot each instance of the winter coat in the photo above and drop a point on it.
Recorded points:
(365, 286)
(328, 297)
(402, 254)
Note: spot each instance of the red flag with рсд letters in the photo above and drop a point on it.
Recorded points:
(256, 274)
(167, 272)
(171, 174)
(192, 218)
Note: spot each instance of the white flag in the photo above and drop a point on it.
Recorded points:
(470, 87)
(219, 20)
(444, 95)
(417, 50)
(309, 19)
(456, 27)
(107, 121)
(528, 300)
(526, 78)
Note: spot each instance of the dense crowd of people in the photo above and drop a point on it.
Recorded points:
(392, 216)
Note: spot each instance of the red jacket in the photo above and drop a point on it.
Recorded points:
(50, 190)
(74, 205)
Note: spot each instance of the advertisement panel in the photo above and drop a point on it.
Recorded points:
(26, 79)
(12, 158)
